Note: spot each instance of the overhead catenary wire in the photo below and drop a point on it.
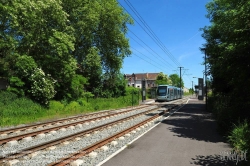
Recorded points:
(147, 57)
(148, 61)
(149, 48)
(156, 38)
(145, 31)
(153, 36)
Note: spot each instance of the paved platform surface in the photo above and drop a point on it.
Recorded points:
(188, 137)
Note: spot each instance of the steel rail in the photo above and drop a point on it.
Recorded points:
(23, 128)
(99, 144)
(45, 145)
(32, 134)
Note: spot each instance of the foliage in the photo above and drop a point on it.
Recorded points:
(175, 79)
(240, 136)
(132, 90)
(16, 86)
(101, 44)
(64, 39)
(19, 110)
(22, 110)
(42, 86)
(30, 80)
(162, 79)
(228, 58)
(191, 90)
(7, 97)
(92, 70)
(40, 33)
(77, 87)
(114, 85)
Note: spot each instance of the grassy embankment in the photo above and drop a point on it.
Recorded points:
(14, 110)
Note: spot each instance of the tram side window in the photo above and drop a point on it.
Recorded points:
(171, 91)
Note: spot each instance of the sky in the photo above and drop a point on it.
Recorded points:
(166, 35)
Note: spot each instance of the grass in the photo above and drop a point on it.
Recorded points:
(239, 138)
(15, 111)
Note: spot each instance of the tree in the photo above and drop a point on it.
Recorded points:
(100, 28)
(66, 39)
(176, 80)
(162, 79)
(228, 57)
(38, 29)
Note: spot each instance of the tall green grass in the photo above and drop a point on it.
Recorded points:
(14, 110)
(239, 138)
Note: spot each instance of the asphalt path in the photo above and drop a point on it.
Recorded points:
(187, 137)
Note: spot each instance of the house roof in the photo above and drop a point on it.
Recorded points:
(140, 76)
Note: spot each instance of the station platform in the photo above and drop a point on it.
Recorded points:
(187, 137)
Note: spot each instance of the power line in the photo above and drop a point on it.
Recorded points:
(147, 56)
(148, 47)
(143, 30)
(154, 37)
(147, 61)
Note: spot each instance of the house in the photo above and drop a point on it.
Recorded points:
(135, 79)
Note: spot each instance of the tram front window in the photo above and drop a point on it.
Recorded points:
(162, 91)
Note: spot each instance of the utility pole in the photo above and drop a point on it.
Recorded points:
(180, 79)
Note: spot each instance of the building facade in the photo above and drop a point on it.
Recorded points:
(135, 79)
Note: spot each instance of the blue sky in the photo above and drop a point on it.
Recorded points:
(176, 24)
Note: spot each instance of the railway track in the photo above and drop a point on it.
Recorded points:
(22, 152)
(29, 128)
(30, 152)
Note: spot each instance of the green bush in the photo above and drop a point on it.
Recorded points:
(239, 137)
(7, 97)
(56, 106)
(20, 110)
(72, 107)
(223, 112)
(132, 90)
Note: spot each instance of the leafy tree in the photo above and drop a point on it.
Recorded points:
(228, 57)
(162, 79)
(176, 80)
(100, 45)
(65, 39)
(39, 29)
(91, 66)
(113, 85)
(30, 80)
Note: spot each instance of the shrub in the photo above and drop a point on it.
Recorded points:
(56, 106)
(239, 137)
(73, 106)
(7, 97)
(42, 86)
